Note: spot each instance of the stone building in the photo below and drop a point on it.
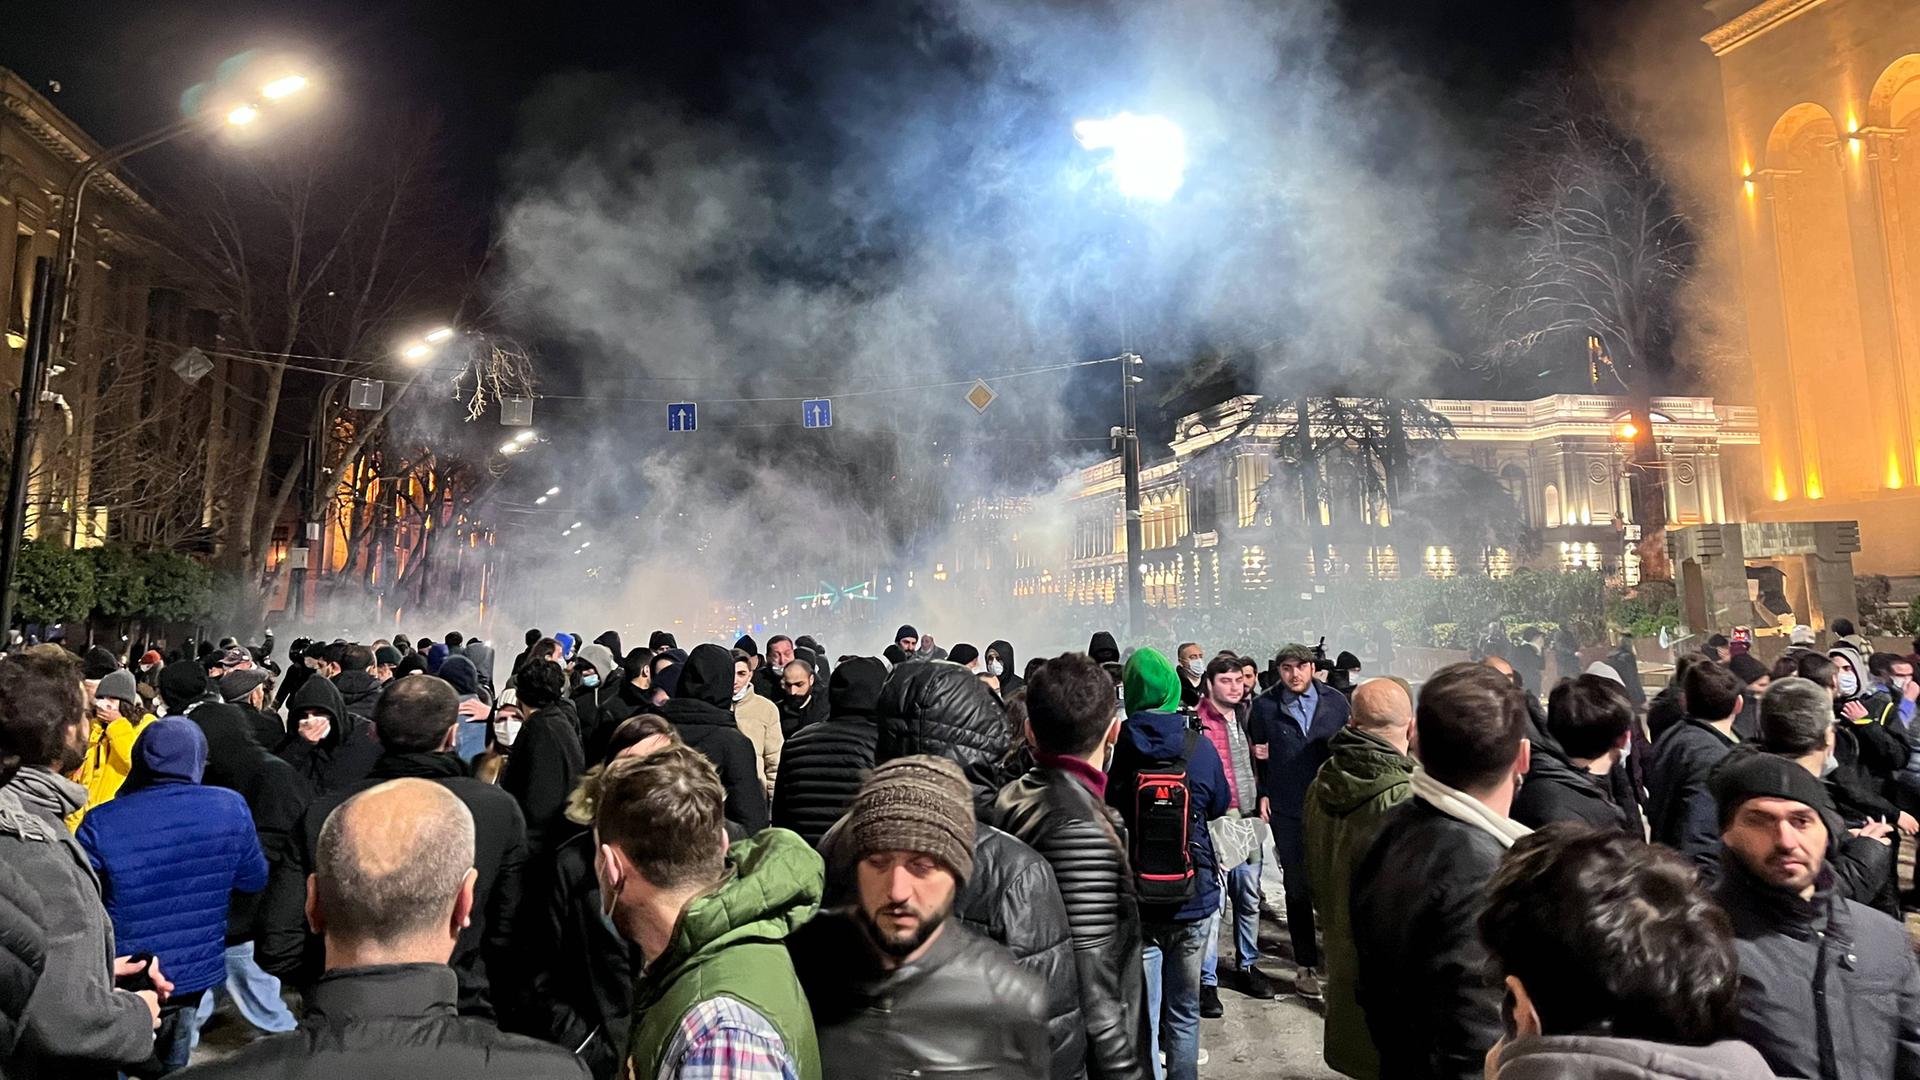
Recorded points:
(1217, 521)
(132, 447)
(1822, 105)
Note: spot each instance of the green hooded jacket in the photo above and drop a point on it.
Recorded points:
(1364, 777)
(732, 943)
(1149, 684)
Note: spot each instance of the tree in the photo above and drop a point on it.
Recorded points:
(1601, 248)
(55, 582)
(119, 582)
(178, 588)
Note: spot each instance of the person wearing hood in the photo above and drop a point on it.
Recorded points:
(534, 638)
(1155, 738)
(481, 655)
(359, 690)
(940, 709)
(632, 696)
(803, 700)
(610, 640)
(1883, 750)
(1588, 724)
(759, 721)
(118, 719)
(998, 662)
(437, 654)
(1859, 753)
(1103, 649)
(476, 705)
(546, 757)
(1828, 986)
(822, 766)
(169, 852)
(701, 711)
(417, 725)
(1616, 963)
(1626, 663)
(329, 747)
(596, 680)
(1367, 773)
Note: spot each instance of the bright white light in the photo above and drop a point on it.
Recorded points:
(283, 86)
(242, 115)
(508, 448)
(584, 544)
(415, 351)
(525, 437)
(553, 491)
(440, 335)
(541, 501)
(566, 532)
(575, 525)
(1149, 153)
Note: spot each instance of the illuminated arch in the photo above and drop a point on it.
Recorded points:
(1826, 354)
(1893, 140)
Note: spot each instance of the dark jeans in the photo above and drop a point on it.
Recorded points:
(1290, 845)
(173, 1042)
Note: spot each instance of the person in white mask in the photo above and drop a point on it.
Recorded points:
(759, 721)
(1191, 660)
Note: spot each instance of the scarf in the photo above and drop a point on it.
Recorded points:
(1463, 807)
(43, 791)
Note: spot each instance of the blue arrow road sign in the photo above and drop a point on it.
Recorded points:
(682, 416)
(816, 412)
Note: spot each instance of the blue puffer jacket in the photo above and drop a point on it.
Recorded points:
(171, 854)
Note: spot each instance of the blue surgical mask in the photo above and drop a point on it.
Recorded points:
(1848, 682)
(590, 679)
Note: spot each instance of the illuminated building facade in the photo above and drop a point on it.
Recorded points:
(1822, 102)
(1215, 526)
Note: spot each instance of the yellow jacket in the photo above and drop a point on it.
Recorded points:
(109, 759)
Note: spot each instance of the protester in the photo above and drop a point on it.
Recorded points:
(330, 748)
(1615, 961)
(1058, 808)
(1421, 885)
(392, 891)
(897, 985)
(718, 995)
(766, 679)
(117, 721)
(802, 702)
(700, 711)
(169, 852)
(1236, 838)
(822, 766)
(359, 689)
(76, 1025)
(1290, 727)
(1589, 721)
(1367, 774)
(759, 720)
(1680, 812)
(998, 661)
(595, 682)
(416, 721)
(545, 758)
(1828, 986)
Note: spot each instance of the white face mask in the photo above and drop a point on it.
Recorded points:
(995, 668)
(1196, 667)
(1899, 682)
(740, 695)
(1832, 763)
(1848, 682)
(505, 730)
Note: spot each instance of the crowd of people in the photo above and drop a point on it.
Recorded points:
(395, 860)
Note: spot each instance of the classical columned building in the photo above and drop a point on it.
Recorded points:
(1822, 103)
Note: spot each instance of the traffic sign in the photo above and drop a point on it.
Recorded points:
(816, 413)
(980, 396)
(683, 416)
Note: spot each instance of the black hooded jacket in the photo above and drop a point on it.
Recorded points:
(360, 691)
(1103, 649)
(699, 710)
(543, 764)
(343, 756)
(1558, 790)
(1010, 679)
(937, 707)
(822, 765)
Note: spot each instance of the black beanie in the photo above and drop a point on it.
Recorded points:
(905, 632)
(182, 683)
(1755, 775)
(747, 645)
(98, 664)
(854, 688)
(660, 639)
(533, 637)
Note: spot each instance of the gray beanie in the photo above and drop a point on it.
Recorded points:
(918, 803)
(118, 684)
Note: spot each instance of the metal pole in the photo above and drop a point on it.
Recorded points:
(1130, 471)
(33, 366)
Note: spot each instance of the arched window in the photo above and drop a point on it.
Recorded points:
(1514, 479)
(1550, 495)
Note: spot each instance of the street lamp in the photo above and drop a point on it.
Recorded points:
(1147, 162)
(36, 363)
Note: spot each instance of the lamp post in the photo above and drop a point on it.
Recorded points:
(1147, 162)
(52, 293)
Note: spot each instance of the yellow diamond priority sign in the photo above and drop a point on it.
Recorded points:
(980, 396)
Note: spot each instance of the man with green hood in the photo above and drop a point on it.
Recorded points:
(1366, 774)
(718, 995)
(1157, 739)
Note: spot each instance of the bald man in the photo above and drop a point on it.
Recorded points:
(1368, 772)
(391, 890)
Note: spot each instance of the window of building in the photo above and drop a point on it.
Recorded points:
(1550, 495)
(1440, 562)
(1250, 473)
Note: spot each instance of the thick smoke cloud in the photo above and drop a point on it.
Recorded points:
(897, 201)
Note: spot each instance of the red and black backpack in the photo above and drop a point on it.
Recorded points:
(1160, 845)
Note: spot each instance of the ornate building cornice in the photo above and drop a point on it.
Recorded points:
(1758, 20)
(34, 121)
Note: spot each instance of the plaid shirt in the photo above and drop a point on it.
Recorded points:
(722, 1039)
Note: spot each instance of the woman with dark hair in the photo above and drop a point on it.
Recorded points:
(545, 757)
(579, 987)
(1615, 962)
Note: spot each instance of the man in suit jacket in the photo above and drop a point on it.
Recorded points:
(1289, 729)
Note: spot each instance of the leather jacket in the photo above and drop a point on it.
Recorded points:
(1080, 837)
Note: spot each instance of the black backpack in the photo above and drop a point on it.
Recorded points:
(1161, 845)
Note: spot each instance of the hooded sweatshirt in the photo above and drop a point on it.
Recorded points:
(170, 852)
(1603, 1057)
(701, 711)
(1102, 648)
(1153, 734)
(343, 756)
(1010, 679)
(1364, 777)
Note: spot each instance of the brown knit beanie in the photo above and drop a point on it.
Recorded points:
(919, 803)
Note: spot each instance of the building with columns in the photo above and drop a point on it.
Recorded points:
(1212, 525)
(132, 448)
(1822, 105)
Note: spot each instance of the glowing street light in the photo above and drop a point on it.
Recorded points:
(284, 86)
(553, 491)
(242, 115)
(416, 352)
(526, 436)
(435, 337)
(1148, 154)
